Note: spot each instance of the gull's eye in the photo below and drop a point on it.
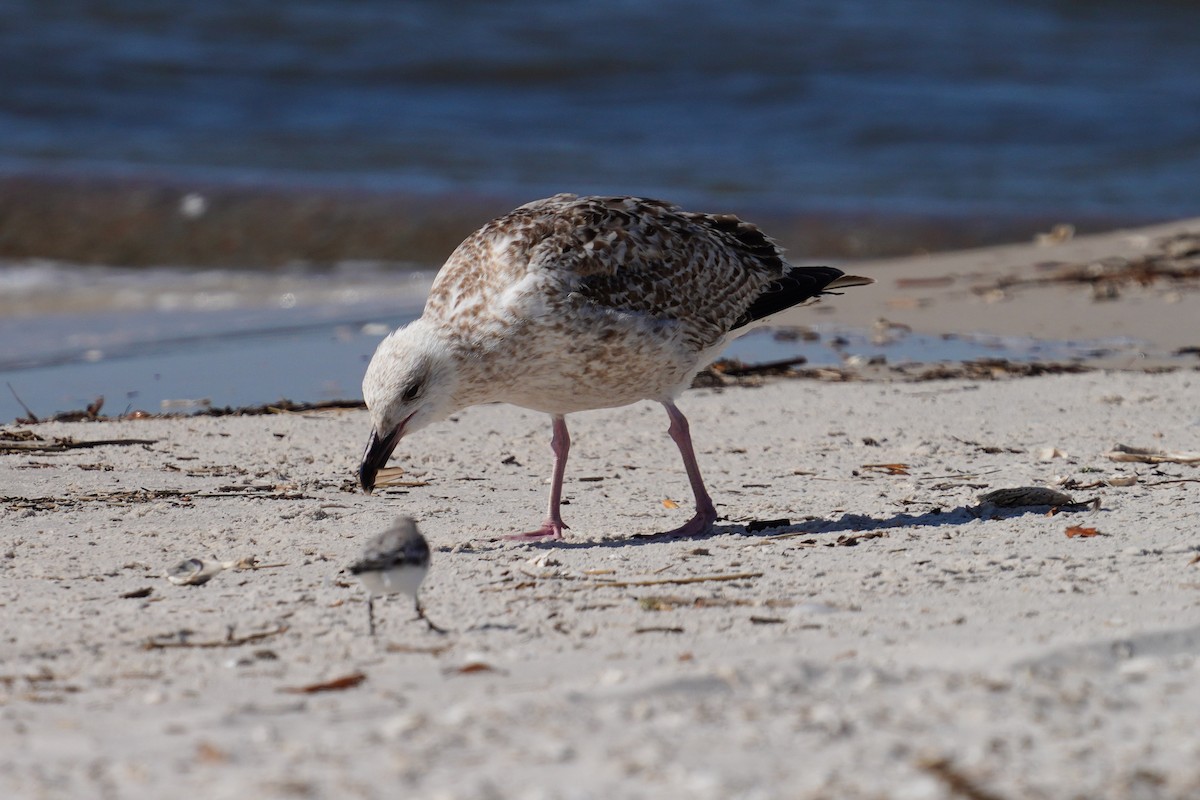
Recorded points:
(412, 391)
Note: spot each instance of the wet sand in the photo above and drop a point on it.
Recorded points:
(156, 222)
(857, 625)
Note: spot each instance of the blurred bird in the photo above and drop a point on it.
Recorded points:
(394, 562)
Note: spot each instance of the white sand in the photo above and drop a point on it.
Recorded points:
(1023, 662)
(952, 652)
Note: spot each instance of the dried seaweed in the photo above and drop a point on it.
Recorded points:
(92, 412)
(1176, 259)
(124, 497)
(14, 442)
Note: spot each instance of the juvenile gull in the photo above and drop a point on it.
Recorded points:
(576, 303)
(396, 561)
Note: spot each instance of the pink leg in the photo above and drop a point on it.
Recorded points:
(706, 512)
(553, 527)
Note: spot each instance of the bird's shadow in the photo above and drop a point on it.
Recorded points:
(846, 523)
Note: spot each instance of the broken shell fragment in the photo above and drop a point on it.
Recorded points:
(193, 571)
(1026, 496)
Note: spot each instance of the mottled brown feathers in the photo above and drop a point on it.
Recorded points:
(707, 272)
(574, 303)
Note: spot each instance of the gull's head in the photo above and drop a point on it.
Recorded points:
(409, 384)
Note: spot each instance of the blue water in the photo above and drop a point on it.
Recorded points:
(888, 106)
(982, 109)
(176, 339)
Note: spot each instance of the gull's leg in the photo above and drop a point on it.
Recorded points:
(553, 527)
(371, 614)
(706, 512)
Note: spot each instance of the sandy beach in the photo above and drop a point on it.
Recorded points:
(1060, 287)
(858, 624)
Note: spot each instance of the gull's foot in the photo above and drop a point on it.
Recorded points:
(701, 523)
(551, 529)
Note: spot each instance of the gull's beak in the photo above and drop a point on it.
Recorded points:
(375, 457)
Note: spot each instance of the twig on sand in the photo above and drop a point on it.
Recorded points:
(335, 685)
(736, 576)
(954, 780)
(173, 640)
(435, 650)
(28, 414)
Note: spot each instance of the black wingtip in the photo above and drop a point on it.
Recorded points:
(798, 285)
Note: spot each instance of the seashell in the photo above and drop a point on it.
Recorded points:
(193, 571)
(1026, 496)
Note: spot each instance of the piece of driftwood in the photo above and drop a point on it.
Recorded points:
(1146, 455)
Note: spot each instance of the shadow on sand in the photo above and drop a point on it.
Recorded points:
(845, 524)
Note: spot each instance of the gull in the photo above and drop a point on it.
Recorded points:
(577, 303)
(394, 562)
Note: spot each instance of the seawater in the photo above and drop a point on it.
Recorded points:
(893, 106)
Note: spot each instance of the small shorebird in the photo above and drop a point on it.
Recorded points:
(576, 303)
(394, 562)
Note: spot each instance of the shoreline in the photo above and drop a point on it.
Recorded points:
(148, 221)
